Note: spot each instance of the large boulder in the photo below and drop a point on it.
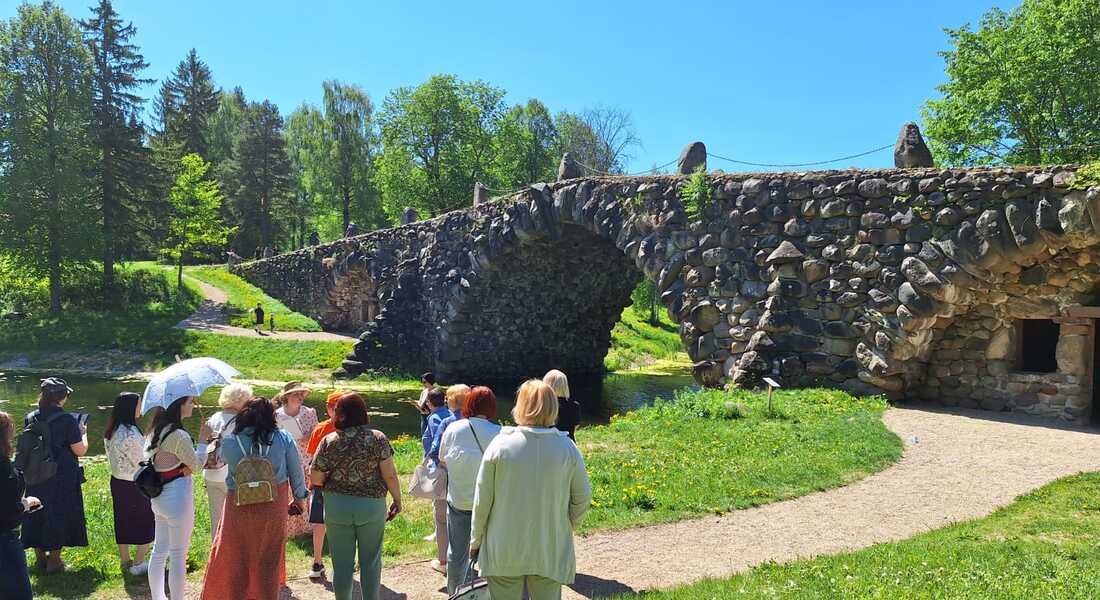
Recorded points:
(910, 151)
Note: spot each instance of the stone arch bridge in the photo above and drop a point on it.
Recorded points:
(971, 286)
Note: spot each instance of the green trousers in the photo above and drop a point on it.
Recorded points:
(511, 588)
(355, 522)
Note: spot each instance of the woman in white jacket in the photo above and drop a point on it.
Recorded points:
(532, 491)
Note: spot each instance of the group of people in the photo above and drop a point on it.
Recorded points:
(514, 495)
(271, 471)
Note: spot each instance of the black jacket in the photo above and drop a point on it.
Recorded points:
(12, 489)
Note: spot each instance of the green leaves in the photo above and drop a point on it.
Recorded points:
(196, 222)
(1022, 88)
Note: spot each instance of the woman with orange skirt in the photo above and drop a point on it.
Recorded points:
(248, 556)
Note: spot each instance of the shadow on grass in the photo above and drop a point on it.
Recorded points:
(74, 583)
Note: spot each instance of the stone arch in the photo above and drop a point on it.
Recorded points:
(351, 301)
(549, 279)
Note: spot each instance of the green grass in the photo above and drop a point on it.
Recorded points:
(703, 453)
(244, 296)
(1044, 545)
(636, 344)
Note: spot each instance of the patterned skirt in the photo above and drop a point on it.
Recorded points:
(248, 556)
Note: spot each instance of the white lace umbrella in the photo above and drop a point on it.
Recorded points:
(190, 377)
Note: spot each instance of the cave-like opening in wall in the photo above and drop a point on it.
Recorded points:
(352, 302)
(544, 303)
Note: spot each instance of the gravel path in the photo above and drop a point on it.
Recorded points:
(958, 465)
(210, 317)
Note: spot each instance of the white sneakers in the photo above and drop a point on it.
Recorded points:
(317, 571)
(139, 568)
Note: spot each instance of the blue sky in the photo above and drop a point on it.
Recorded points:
(760, 81)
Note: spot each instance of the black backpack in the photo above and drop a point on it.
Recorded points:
(34, 453)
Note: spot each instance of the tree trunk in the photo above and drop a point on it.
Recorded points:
(179, 273)
(347, 208)
(53, 228)
(653, 307)
(109, 211)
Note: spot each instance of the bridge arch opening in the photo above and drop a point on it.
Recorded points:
(544, 303)
(352, 302)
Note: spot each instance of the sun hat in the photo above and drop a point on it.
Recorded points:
(333, 398)
(55, 384)
(290, 388)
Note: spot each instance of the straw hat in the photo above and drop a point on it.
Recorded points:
(290, 388)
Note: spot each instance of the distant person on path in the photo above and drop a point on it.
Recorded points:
(133, 513)
(437, 401)
(297, 420)
(214, 470)
(317, 502)
(60, 523)
(532, 491)
(173, 456)
(355, 468)
(456, 396)
(462, 446)
(352, 230)
(271, 323)
(569, 411)
(248, 556)
(258, 317)
(15, 580)
(259, 253)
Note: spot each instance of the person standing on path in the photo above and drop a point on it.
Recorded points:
(15, 579)
(258, 317)
(317, 502)
(438, 403)
(132, 511)
(60, 523)
(214, 470)
(456, 396)
(355, 468)
(569, 411)
(532, 492)
(427, 381)
(248, 557)
(297, 420)
(460, 449)
(173, 456)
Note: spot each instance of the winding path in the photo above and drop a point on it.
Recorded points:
(958, 465)
(210, 317)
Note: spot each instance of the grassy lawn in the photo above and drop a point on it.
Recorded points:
(636, 344)
(717, 452)
(244, 296)
(1044, 545)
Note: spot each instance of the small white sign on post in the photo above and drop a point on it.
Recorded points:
(772, 384)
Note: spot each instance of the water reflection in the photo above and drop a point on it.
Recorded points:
(390, 411)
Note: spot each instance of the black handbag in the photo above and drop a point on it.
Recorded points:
(149, 482)
(473, 588)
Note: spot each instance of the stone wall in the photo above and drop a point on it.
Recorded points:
(874, 281)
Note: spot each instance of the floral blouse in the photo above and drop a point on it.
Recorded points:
(125, 450)
(351, 459)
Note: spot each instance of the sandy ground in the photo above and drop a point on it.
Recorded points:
(210, 317)
(957, 465)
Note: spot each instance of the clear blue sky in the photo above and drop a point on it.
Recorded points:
(775, 82)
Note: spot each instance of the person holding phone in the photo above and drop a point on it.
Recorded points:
(60, 524)
(15, 580)
(354, 466)
(134, 522)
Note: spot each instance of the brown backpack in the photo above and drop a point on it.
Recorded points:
(255, 477)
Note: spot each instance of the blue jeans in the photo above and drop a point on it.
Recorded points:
(458, 546)
(15, 581)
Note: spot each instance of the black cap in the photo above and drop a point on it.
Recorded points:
(55, 384)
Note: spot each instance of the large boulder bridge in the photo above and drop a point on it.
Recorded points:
(971, 286)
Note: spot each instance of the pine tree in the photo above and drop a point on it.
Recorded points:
(45, 150)
(184, 104)
(260, 172)
(123, 158)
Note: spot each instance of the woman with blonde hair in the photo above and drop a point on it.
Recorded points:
(532, 479)
(220, 424)
(569, 410)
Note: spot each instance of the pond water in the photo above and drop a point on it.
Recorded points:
(390, 411)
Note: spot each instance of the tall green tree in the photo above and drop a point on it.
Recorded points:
(184, 104)
(123, 157)
(305, 147)
(196, 222)
(224, 125)
(437, 141)
(260, 173)
(45, 146)
(351, 139)
(524, 146)
(1022, 88)
(602, 138)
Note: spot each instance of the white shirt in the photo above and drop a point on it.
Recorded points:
(217, 422)
(125, 450)
(459, 452)
(290, 424)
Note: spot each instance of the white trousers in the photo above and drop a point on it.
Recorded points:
(174, 511)
(216, 492)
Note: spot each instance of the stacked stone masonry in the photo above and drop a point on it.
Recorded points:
(908, 282)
